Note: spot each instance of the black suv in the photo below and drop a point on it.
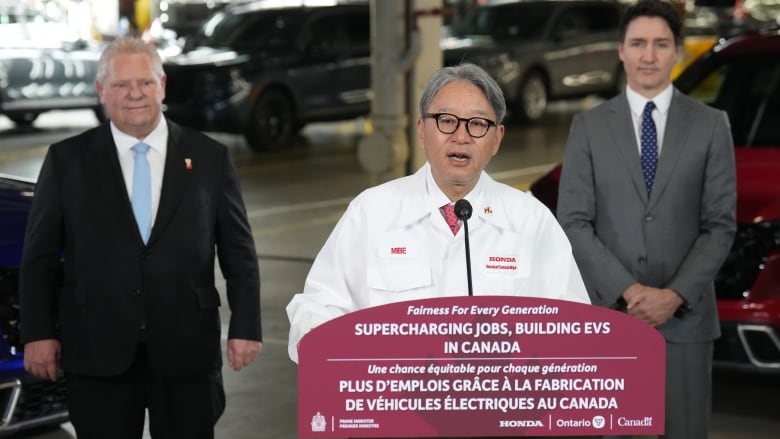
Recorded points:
(542, 50)
(266, 71)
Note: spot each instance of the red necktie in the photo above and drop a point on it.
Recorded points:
(451, 218)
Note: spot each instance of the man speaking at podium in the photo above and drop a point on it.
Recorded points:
(402, 241)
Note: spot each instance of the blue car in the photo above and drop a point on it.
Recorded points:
(25, 401)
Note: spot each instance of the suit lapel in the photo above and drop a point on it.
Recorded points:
(622, 129)
(175, 178)
(675, 136)
(108, 172)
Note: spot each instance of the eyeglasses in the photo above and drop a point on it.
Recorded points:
(449, 123)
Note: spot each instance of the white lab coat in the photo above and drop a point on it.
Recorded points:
(393, 244)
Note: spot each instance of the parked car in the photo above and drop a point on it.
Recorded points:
(742, 77)
(542, 50)
(44, 67)
(729, 17)
(25, 401)
(265, 71)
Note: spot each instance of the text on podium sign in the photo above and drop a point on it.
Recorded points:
(481, 366)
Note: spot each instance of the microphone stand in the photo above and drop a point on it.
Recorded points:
(468, 255)
(463, 211)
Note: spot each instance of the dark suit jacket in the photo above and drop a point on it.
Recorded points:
(109, 283)
(679, 236)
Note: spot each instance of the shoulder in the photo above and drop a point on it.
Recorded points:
(593, 120)
(83, 138)
(610, 106)
(690, 106)
(80, 148)
(515, 202)
(388, 194)
(196, 139)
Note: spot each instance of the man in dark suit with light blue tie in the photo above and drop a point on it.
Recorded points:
(648, 200)
(117, 278)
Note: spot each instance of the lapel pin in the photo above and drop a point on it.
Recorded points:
(188, 164)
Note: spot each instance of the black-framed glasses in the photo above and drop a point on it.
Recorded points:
(449, 123)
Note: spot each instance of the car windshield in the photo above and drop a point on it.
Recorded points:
(748, 89)
(250, 31)
(510, 21)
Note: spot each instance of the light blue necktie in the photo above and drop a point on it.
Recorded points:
(649, 146)
(142, 191)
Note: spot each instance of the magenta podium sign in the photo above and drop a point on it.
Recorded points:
(481, 366)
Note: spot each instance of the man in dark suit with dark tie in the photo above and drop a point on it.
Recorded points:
(648, 201)
(117, 278)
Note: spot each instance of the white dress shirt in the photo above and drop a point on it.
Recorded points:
(158, 147)
(637, 104)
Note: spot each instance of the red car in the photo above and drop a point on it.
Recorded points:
(740, 75)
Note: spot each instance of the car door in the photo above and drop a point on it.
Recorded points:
(355, 63)
(336, 77)
(582, 53)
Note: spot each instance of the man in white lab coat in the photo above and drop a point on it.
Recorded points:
(394, 242)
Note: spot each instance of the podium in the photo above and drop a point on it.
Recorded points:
(481, 366)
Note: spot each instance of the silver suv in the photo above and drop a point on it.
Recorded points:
(542, 50)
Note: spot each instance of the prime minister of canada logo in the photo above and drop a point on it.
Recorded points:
(599, 421)
(318, 422)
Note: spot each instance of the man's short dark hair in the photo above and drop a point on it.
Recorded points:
(654, 8)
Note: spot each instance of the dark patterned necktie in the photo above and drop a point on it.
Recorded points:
(649, 146)
(451, 218)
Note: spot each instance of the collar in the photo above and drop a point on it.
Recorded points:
(637, 102)
(421, 198)
(157, 139)
(436, 197)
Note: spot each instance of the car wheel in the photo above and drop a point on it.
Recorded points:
(23, 118)
(273, 123)
(532, 100)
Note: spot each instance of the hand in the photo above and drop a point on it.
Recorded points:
(654, 306)
(241, 352)
(42, 358)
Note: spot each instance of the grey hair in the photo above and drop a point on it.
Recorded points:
(467, 72)
(125, 46)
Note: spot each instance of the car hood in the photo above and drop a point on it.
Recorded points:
(473, 41)
(758, 184)
(475, 47)
(207, 56)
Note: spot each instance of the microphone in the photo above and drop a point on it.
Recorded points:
(463, 212)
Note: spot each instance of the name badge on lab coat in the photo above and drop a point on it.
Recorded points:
(398, 251)
(507, 264)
